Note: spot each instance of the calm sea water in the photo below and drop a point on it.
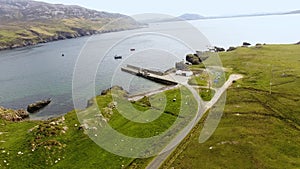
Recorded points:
(40, 72)
(265, 29)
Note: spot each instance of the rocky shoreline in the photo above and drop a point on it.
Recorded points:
(59, 36)
(28, 23)
(13, 115)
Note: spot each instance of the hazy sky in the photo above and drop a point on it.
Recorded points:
(178, 7)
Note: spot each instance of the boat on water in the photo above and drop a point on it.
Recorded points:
(132, 49)
(118, 57)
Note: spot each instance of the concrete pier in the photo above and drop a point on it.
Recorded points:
(149, 74)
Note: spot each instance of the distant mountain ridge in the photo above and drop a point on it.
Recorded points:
(198, 17)
(27, 22)
(190, 16)
(34, 10)
(295, 12)
(194, 16)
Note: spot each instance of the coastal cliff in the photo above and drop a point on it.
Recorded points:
(25, 23)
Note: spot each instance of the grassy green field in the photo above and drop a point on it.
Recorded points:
(206, 94)
(47, 146)
(59, 143)
(199, 80)
(260, 127)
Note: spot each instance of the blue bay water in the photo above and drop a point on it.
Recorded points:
(40, 72)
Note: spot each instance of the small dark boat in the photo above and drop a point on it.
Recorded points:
(118, 57)
(37, 106)
(62, 55)
(132, 50)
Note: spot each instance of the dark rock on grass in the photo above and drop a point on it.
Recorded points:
(231, 49)
(35, 107)
(219, 49)
(23, 114)
(246, 44)
(193, 59)
(258, 46)
(13, 115)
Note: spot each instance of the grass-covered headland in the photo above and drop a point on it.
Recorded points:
(25, 23)
(260, 127)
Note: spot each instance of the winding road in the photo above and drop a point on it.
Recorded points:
(167, 151)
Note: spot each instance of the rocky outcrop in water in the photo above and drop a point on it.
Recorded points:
(35, 107)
